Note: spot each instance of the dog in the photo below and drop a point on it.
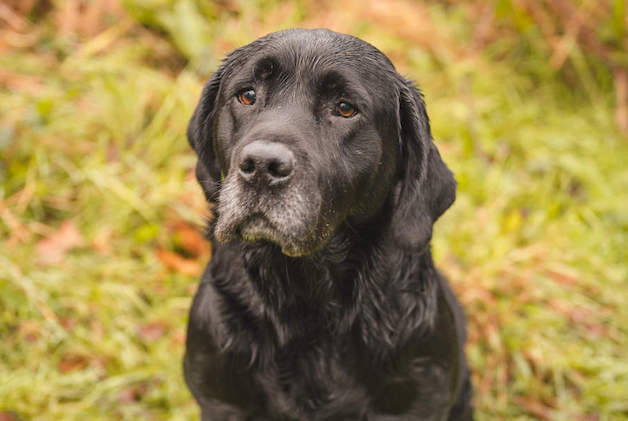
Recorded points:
(321, 301)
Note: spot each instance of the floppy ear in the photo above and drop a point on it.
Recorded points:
(201, 137)
(426, 187)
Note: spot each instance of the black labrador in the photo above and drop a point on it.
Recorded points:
(322, 301)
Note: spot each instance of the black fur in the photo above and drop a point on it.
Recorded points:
(322, 301)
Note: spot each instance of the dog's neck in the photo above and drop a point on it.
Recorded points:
(324, 294)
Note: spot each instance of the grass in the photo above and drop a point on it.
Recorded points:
(99, 210)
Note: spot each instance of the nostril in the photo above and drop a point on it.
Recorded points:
(280, 168)
(268, 163)
(247, 166)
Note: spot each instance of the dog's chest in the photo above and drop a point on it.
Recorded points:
(312, 378)
(340, 380)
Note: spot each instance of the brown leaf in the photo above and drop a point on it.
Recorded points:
(19, 232)
(589, 417)
(151, 332)
(132, 394)
(86, 18)
(534, 407)
(13, 19)
(562, 277)
(97, 329)
(7, 416)
(21, 83)
(195, 200)
(191, 240)
(102, 240)
(179, 264)
(67, 323)
(178, 339)
(620, 78)
(53, 249)
(30, 331)
(71, 361)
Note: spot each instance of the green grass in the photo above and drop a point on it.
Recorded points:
(97, 197)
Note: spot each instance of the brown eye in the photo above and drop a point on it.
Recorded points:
(345, 109)
(247, 97)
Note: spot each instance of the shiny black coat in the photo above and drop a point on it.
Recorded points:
(321, 301)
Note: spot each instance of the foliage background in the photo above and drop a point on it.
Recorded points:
(100, 216)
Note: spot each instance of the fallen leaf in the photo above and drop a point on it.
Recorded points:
(76, 17)
(67, 323)
(151, 332)
(30, 331)
(71, 361)
(132, 394)
(562, 277)
(177, 263)
(53, 249)
(7, 416)
(20, 83)
(178, 339)
(195, 200)
(191, 240)
(19, 232)
(590, 417)
(102, 240)
(534, 407)
(97, 330)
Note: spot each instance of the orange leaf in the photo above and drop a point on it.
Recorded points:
(54, 248)
(150, 332)
(191, 240)
(534, 407)
(102, 240)
(177, 263)
(178, 339)
(7, 416)
(30, 331)
(129, 395)
(70, 362)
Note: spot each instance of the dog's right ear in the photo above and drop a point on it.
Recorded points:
(201, 137)
(426, 187)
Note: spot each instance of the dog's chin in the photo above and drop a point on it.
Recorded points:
(258, 227)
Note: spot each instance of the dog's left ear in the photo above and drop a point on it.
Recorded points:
(200, 136)
(426, 187)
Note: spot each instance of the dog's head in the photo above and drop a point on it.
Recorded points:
(302, 131)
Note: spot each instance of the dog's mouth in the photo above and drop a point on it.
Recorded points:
(258, 226)
(291, 217)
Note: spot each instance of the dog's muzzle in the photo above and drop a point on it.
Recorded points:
(268, 196)
(265, 164)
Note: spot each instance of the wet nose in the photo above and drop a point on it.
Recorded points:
(266, 162)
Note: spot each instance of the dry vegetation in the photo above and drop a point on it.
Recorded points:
(100, 216)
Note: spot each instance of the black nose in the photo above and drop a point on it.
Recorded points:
(266, 162)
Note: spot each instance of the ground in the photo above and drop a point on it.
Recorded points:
(100, 217)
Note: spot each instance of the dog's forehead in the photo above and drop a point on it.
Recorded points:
(312, 46)
(315, 50)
